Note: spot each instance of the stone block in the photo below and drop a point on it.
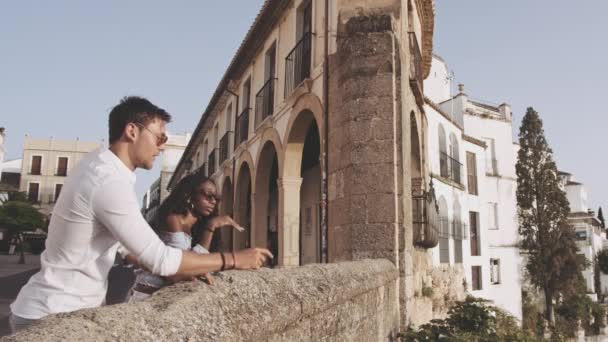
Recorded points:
(373, 237)
(381, 208)
(371, 178)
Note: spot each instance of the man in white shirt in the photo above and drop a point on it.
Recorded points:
(98, 211)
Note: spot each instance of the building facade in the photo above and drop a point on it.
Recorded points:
(472, 159)
(45, 164)
(158, 191)
(315, 136)
(590, 236)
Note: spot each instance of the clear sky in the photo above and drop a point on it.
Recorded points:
(64, 64)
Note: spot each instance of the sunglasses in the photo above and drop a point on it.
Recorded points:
(160, 139)
(210, 196)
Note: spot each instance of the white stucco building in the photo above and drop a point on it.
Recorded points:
(46, 164)
(589, 234)
(472, 159)
(174, 148)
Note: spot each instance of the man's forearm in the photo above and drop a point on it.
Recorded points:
(195, 265)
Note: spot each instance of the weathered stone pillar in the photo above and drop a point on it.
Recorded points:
(289, 221)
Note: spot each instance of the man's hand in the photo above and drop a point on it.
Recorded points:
(251, 258)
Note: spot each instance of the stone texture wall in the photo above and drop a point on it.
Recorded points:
(351, 301)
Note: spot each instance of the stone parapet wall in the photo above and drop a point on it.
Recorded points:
(350, 301)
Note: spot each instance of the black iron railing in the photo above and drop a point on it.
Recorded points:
(225, 147)
(450, 168)
(297, 64)
(459, 230)
(264, 102)
(242, 127)
(425, 215)
(211, 163)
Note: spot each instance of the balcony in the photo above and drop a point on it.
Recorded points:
(425, 215)
(225, 147)
(211, 164)
(264, 102)
(242, 127)
(297, 64)
(459, 230)
(450, 168)
(416, 78)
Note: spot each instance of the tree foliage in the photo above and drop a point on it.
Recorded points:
(470, 320)
(547, 239)
(600, 217)
(18, 217)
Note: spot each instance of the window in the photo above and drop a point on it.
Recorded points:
(495, 271)
(474, 231)
(36, 165)
(492, 215)
(33, 192)
(476, 277)
(229, 118)
(270, 62)
(472, 173)
(247, 94)
(57, 191)
(62, 166)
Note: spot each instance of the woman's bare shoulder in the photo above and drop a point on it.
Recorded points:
(173, 223)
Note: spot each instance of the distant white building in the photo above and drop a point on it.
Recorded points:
(46, 164)
(589, 234)
(472, 160)
(156, 194)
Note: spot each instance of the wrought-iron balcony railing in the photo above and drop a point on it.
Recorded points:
(264, 102)
(297, 64)
(225, 147)
(444, 227)
(425, 215)
(242, 127)
(450, 168)
(211, 163)
(416, 78)
(459, 230)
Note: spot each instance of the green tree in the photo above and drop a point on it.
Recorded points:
(17, 217)
(600, 217)
(546, 237)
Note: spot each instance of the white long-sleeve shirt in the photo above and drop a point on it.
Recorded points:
(96, 212)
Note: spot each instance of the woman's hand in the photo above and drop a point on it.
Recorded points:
(251, 258)
(224, 220)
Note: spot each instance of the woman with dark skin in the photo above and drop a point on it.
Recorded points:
(189, 211)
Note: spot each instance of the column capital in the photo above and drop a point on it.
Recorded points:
(288, 182)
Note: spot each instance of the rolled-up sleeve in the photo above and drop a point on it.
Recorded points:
(115, 205)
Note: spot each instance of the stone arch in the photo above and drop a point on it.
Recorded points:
(244, 158)
(243, 207)
(270, 134)
(265, 218)
(226, 208)
(300, 192)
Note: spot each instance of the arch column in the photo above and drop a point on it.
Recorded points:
(289, 220)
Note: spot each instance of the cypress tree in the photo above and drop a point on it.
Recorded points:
(547, 239)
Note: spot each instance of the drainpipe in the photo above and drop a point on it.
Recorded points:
(324, 195)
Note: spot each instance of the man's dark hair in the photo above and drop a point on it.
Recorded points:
(133, 109)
